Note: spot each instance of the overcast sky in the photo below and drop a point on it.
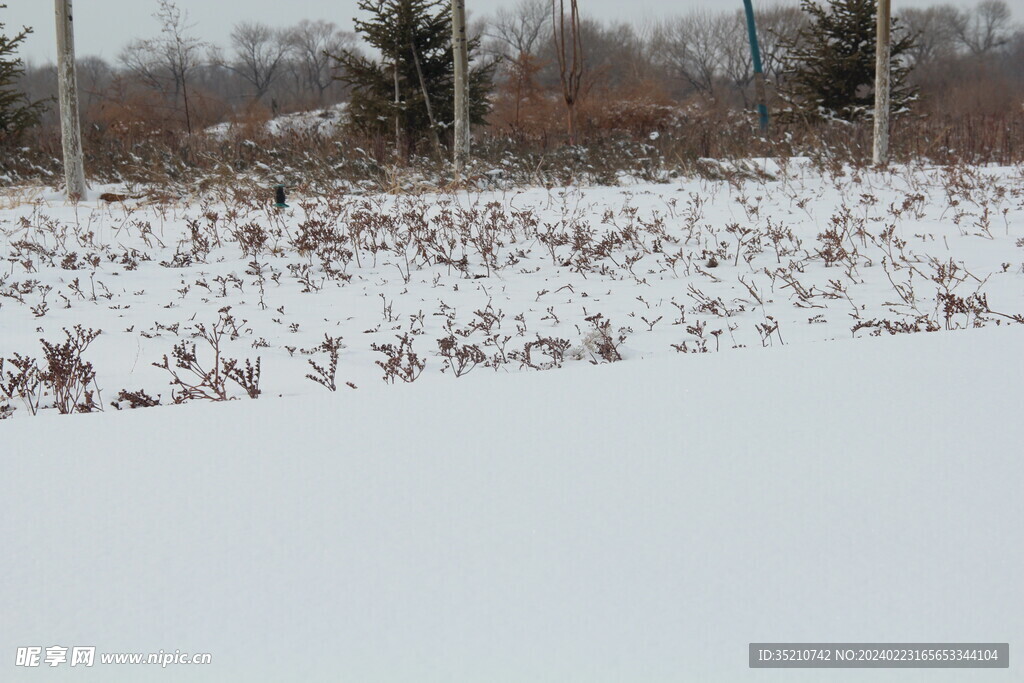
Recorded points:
(102, 28)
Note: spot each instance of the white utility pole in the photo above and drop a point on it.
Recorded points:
(460, 48)
(881, 147)
(67, 83)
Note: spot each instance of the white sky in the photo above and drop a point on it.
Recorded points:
(103, 28)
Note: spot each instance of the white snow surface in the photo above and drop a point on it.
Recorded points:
(640, 521)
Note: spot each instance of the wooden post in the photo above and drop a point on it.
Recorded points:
(460, 49)
(67, 84)
(881, 146)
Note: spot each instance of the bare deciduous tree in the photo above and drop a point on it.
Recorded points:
(613, 53)
(707, 50)
(516, 37)
(986, 28)
(737, 64)
(570, 58)
(691, 48)
(94, 74)
(777, 26)
(259, 53)
(312, 44)
(170, 59)
(936, 30)
(518, 31)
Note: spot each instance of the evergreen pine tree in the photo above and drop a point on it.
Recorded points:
(829, 66)
(17, 112)
(414, 39)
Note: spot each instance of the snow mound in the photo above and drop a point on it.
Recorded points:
(317, 122)
(321, 121)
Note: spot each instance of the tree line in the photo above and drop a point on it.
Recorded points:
(539, 68)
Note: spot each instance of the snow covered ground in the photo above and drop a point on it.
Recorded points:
(644, 519)
(507, 281)
(641, 521)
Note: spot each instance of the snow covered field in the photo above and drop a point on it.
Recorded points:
(501, 281)
(643, 520)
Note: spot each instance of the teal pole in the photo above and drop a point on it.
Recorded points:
(755, 52)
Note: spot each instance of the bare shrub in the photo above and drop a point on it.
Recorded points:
(68, 376)
(402, 362)
(193, 381)
(64, 377)
(602, 342)
(21, 380)
(459, 357)
(543, 353)
(325, 375)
